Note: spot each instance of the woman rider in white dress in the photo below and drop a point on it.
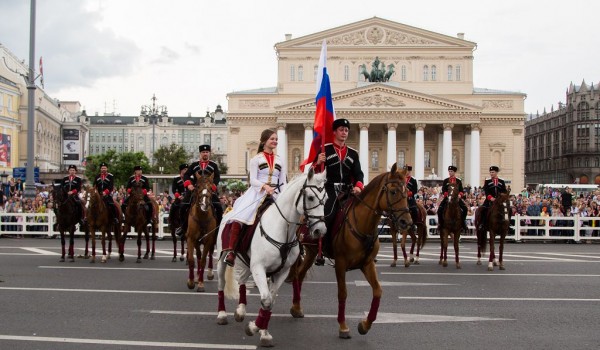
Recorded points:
(268, 176)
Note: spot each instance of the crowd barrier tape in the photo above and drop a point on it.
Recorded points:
(523, 228)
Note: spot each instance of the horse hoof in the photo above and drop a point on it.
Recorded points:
(416, 262)
(71, 258)
(92, 261)
(266, 339)
(251, 328)
(440, 262)
(478, 262)
(445, 264)
(296, 312)
(221, 321)
(412, 260)
(62, 259)
(362, 329)
(200, 287)
(406, 264)
(121, 258)
(181, 258)
(238, 317)
(152, 257)
(190, 284)
(490, 268)
(458, 266)
(174, 259)
(502, 267)
(210, 276)
(146, 257)
(393, 264)
(345, 334)
(103, 259)
(139, 261)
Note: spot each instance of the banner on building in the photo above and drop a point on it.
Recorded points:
(5, 150)
(71, 146)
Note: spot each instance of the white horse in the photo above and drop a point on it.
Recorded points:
(273, 250)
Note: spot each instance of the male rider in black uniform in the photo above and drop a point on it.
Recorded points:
(104, 183)
(493, 187)
(138, 179)
(412, 189)
(452, 179)
(178, 190)
(72, 185)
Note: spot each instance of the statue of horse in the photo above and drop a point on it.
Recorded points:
(136, 217)
(363, 71)
(418, 237)
(175, 221)
(389, 73)
(274, 249)
(451, 226)
(68, 214)
(498, 222)
(355, 244)
(202, 230)
(99, 217)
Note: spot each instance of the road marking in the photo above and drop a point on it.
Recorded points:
(125, 342)
(110, 268)
(75, 290)
(574, 255)
(40, 251)
(489, 274)
(498, 299)
(400, 284)
(382, 317)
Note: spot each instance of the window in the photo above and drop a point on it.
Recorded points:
(583, 111)
(374, 160)
(425, 73)
(457, 73)
(433, 73)
(401, 159)
(450, 73)
(346, 73)
(292, 72)
(300, 73)
(9, 106)
(427, 159)
(403, 73)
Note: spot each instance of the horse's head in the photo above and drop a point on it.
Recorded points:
(394, 197)
(311, 203)
(203, 191)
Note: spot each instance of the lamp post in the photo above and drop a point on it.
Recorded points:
(153, 112)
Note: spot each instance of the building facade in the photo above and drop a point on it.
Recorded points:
(424, 112)
(563, 146)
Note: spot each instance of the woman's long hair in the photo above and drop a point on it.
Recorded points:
(264, 136)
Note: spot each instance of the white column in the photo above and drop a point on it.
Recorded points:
(419, 169)
(466, 171)
(447, 149)
(308, 137)
(440, 156)
(392, 157)
(363, 152)
(475, 156)
(282, 145)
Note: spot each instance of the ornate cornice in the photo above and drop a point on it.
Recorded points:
(378, 36)
(253, 103)
(377, 100)
(497, 104)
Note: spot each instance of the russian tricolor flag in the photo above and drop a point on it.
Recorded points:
(324, 114)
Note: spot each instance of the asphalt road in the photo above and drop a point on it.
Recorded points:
(547, 298)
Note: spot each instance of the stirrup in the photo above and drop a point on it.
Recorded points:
(320, 261)
(179, 231)
(230, 258)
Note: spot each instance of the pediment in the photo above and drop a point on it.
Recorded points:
(382, 96)
(376, 32)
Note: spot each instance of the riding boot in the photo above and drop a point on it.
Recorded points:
(183, 217)
(234, 234)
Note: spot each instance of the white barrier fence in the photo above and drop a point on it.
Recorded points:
(523, 227)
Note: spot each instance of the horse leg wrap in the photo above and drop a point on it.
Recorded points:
(297, 285)
(341, 311)
(374, 308)
(221, 301)
(243, 294)
(262, 320)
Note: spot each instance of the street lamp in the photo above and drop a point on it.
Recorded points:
(153, 113)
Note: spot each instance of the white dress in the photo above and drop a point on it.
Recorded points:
(245, 207)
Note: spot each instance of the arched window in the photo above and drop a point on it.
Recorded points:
(401, 159)
(450, 73)
(583, 111)
(425, 72)
(346, 73)
(164, 141)
(292, 72)
(300, 73)
(403, 73)
(433, 73)
(458, 73)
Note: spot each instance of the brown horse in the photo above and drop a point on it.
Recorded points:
(498, 223)
(202, 230)
(451, 226)
(355, 245)
(175, 221)
(99, 218)
(68, 213)
(418, 235)
(136, 217)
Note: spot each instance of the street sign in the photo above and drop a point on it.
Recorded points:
(21, 173)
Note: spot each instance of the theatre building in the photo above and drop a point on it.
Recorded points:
(408, 93)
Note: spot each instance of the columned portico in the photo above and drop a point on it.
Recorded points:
(364, 150)
(419, 169)
(447, 149)
(475, 160)
(391, 145)
(282, 144)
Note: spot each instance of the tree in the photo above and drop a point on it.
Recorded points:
(170, 157)
(119, 164)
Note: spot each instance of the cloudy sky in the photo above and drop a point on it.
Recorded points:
(113, 55)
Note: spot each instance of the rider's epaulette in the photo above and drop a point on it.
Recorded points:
(352, 149)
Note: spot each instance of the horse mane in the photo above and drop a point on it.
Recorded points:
(376, 182)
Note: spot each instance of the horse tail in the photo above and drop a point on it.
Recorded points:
(421, 235)
(482, 240)
(231, 290)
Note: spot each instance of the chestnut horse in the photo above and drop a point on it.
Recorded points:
(202, 230)
(451, 225)
(175, 221)
(99, 217)
(136, 217)
(418, 236)
(355, 245)
(68, 213)
(498, 223)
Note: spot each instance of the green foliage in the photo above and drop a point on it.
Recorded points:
(170, 157)
(235, 185)
(119, 164)
(222, 165)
